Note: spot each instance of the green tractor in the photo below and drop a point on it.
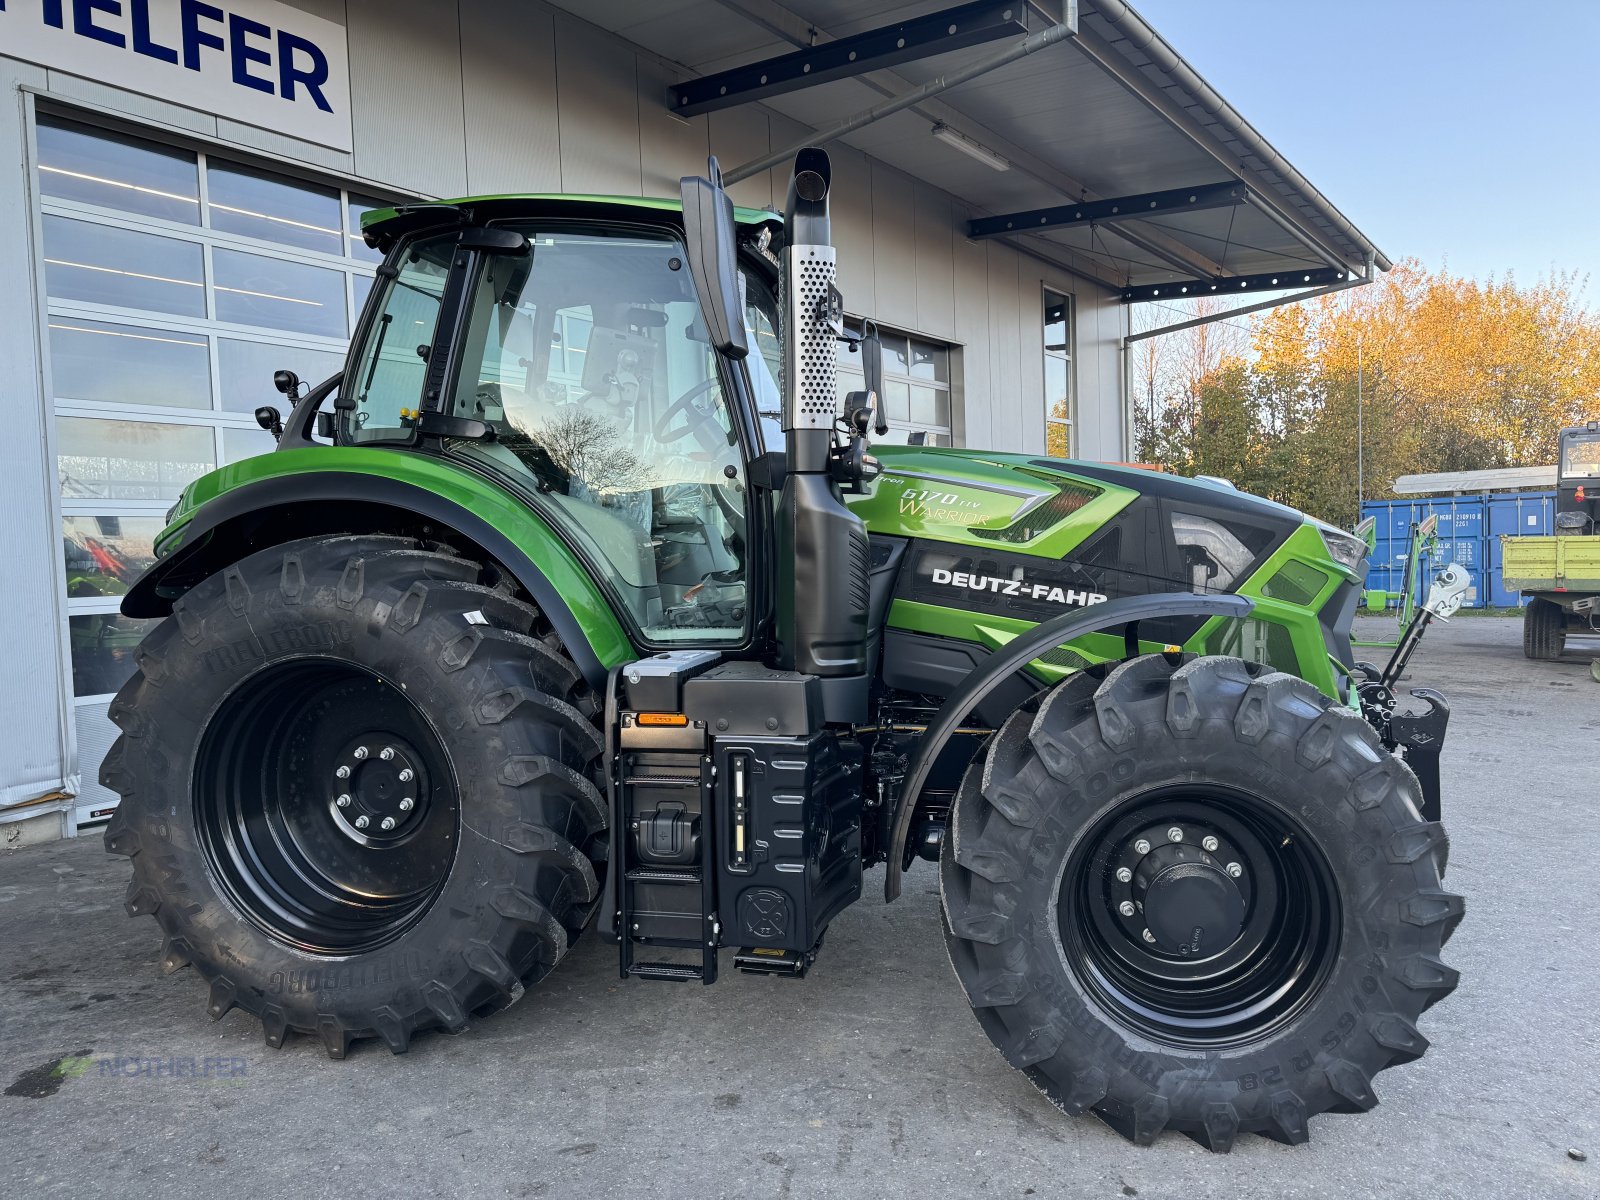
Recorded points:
(577, 601)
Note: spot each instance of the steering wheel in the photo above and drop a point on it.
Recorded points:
(666, 433)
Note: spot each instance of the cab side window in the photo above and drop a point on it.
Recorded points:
(389, 375)
(589, 359)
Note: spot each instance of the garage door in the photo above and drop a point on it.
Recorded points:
(177, 280)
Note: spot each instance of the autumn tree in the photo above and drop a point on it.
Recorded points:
(1440, 373)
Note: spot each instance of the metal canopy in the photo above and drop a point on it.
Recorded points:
(1110, 112)
(1236, 285)
(1150, 204)
(887, 46)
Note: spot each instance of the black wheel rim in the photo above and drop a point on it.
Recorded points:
(1200, 916)
(325, 806)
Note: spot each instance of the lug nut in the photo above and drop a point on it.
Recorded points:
(1126, 908)
(362, 822)
(386, 753)
(1148, 936)
(1210, 843)
(343, 800)
(360, 751)
(342, 773)
(405, 805)
(407, 775)
(1141, 847)
(1235, 870)
(386, 824)
(1174, 834)
(1124, 875)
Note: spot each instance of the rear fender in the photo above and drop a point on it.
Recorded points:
(1009, 659)
(279, 508)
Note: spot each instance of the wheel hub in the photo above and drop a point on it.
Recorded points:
(1200, 914)
(1180, 889)
(378, 786)
(1190, 904)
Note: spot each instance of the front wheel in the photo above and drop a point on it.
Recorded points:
(356, 790)
(1197, 897)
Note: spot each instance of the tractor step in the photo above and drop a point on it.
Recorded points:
(760, 960)
(674, 972)
(657, 875)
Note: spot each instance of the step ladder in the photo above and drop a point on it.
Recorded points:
(663, 849)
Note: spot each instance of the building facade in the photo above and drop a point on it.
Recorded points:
(179, 217)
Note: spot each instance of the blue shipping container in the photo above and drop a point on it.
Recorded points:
(1469, 532)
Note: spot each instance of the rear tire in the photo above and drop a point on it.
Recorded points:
(1544, 629)
(1309, 966)
(357, 791)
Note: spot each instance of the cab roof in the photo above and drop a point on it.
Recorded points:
(392, 222)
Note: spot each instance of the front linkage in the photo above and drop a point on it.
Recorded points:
(1417, 737)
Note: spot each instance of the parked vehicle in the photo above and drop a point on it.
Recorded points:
(1560, 574)
(595, 613)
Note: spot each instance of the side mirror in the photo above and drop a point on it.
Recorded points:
(872, 369)
(286, 382)
(710, 238)
(1366, 531)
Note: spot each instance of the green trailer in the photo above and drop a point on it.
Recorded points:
(1560, 574)
(1561, 578)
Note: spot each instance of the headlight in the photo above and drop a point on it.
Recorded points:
(1345, 548)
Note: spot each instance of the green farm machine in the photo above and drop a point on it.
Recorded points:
(579, 602)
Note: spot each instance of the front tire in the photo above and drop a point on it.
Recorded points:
(356, 791)
(1196, 898)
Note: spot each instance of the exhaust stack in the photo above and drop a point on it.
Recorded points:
(822, 545)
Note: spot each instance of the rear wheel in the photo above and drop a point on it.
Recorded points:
(1196, 898)
(1544, 629)
(356, 791)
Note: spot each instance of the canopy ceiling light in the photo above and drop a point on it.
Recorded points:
(970, 148)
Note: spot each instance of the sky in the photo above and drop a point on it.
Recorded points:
(1464, 134)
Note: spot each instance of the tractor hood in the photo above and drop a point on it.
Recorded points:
(1029, 503)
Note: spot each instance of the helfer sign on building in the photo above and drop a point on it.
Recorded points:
(254, 61)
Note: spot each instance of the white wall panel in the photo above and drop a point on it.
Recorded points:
(894, 246)
(130, 104)
(35, 751)
(405, 93)
(670, 147)
(739, 135)
(597, 89)
(934, 229)
(508, 82)
(970, 285)
(850, 202)
(1006, 430)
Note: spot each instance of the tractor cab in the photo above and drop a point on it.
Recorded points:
(1578, 480)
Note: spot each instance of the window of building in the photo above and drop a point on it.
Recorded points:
(1058, 406)
(176, 282)
(916, 386)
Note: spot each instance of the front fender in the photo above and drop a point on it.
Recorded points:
(275, 498)
(1010, 658)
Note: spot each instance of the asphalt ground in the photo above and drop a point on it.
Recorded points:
(869, 1078)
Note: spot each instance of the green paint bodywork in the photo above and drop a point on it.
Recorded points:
(927, 493)
(976, 491)
(525, 528)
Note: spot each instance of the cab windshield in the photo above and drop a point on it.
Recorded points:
(588, 358)
(1580, 456)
